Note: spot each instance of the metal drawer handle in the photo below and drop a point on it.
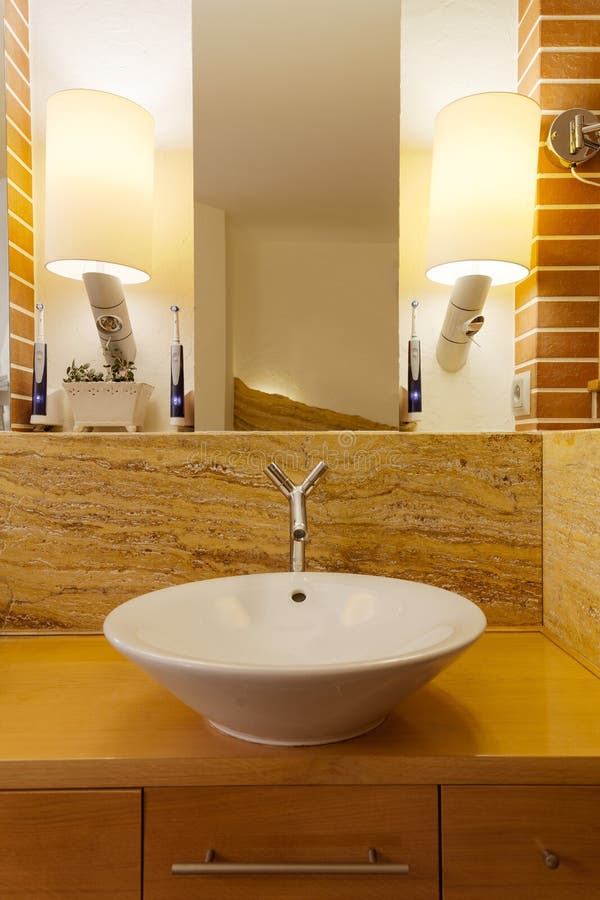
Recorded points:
(209, 867)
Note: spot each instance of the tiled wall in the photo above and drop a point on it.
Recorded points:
(88, 521)
(572, 540)
(20, 208)
(558, 305)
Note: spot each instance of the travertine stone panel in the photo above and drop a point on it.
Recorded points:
(88, 521)
(572, 540)
(255, 410)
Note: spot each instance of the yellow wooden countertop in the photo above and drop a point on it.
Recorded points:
(513, 709)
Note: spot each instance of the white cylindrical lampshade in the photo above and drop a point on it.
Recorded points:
(99, 186)
(483, 184)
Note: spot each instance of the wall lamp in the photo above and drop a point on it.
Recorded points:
(482, 204)
(99, 196)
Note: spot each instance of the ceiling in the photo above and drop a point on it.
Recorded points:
(296, 111)
(295, 116)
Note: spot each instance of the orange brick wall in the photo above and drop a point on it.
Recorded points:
(557, 306)
(20, 208)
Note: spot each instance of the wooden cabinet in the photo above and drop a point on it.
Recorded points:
(521, 843)
(298, 825)
(70, 844)
(497, 842)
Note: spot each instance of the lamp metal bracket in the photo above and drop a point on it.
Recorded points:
(574, 136)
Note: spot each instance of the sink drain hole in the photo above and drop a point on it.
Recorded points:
(298, 597)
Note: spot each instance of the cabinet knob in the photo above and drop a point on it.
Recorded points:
(551, 860)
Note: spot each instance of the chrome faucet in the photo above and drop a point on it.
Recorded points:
(296, 494)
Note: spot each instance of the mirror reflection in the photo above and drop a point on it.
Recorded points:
(284, 164)
(296, 117)
(294, 202)
(449, 51)
(140, 51)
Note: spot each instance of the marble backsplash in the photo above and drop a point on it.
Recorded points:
(88, 521)
(572, 540)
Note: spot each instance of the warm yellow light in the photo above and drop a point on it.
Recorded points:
(483, 184)
(99, 186)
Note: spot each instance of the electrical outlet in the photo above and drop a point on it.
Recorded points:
(521, 394)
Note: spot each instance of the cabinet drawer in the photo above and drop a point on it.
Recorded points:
(70, 844)
(297, 825)
(494, 840)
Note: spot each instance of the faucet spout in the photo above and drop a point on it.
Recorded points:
(296, 495)
(312, 478)
(298, 514)
(280, 479)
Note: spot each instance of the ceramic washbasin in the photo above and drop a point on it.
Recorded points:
(294, 658)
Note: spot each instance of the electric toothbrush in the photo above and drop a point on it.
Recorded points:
(414, 370)
(177, 389)
(40, 366)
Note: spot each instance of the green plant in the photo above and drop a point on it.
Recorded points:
(119, 370)
(83, 372)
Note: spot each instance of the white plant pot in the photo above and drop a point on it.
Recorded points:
(108, 404)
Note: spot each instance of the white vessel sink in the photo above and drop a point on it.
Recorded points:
(294, 658)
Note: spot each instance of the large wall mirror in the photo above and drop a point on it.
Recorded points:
(279, 146)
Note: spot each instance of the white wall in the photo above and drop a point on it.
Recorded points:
(317, 321)
(477, 398)
(213, 376)
(70, 329)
